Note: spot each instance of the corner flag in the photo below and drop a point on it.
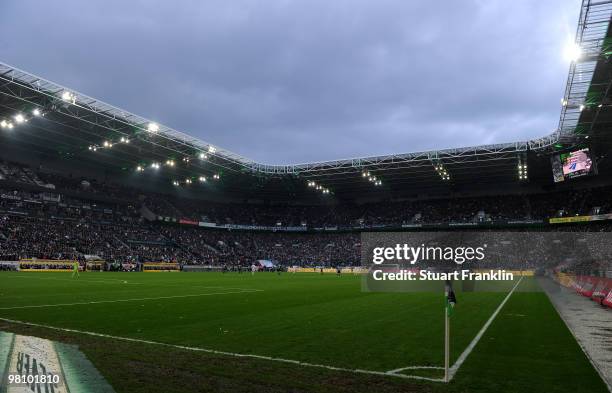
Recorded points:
(451, 300)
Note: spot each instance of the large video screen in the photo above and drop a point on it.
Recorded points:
(572, 164)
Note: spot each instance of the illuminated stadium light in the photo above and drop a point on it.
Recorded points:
(153, 127)
(36, 112)
(170, 163)
(216, 176)
(107, 144)
(155, 165)
(3, 124)
(563, 102)
(318, 187)
(9, 126)
(522, 168)
(188, 181)
(185, 159)
(203, 156)
(442, 172)
(202, 179)
(581, 108)
(68, 96)
(212, 149)
(139, 168)
(19, 118)
(175, 183)
(572, 52)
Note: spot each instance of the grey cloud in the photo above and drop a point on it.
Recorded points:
(296, 81)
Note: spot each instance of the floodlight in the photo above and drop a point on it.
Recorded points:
(572, 52)
(153, 127)
(67, 96)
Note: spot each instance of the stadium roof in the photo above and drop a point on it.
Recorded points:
(62, 121)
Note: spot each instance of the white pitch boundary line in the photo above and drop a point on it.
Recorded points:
(77, 280)
(224, 353)
(397, 370)
(455, 367)
(131, 300)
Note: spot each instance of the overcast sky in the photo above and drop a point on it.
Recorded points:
(283, 81)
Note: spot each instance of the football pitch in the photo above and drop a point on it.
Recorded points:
(299, 327)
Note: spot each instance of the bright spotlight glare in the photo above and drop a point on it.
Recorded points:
(153, 127)
(572, 52)
(36, 112)
(19, 118)
(67, 96)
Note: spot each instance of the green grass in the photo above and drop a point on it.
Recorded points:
(314, 318)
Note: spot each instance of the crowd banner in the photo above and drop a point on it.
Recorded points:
(572, 219)
(47, 265)
(155, 267)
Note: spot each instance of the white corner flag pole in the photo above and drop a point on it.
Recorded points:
(446, 336)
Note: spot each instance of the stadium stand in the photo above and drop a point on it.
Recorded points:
(66, 218)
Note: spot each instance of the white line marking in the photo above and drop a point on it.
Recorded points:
(132, 300)
(455, 367)
(233, 354)
(397, 370)
(77, 280)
